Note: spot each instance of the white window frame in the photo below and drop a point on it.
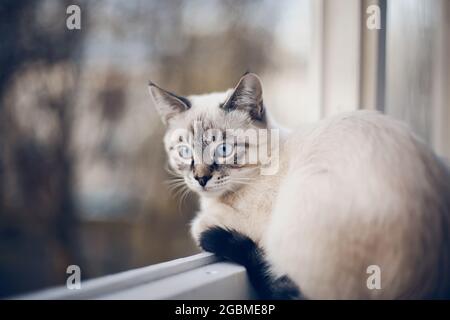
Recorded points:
(201, 276)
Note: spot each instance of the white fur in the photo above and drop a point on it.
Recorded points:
(361, 190)
(353, 192)
(356, 190)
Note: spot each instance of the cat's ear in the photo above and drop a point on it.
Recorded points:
(247, 96)
(167, 104)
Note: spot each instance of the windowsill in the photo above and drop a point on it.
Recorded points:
(201, 276)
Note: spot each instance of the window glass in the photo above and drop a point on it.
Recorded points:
(82, 177)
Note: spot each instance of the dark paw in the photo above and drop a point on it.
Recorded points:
(236, 247)
(228, 244)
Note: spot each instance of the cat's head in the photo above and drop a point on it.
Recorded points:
(212, 140)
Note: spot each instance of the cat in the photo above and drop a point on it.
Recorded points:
(354, 192)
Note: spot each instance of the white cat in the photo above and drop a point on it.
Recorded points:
(354, 191)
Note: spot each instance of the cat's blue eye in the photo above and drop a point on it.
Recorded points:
(185, 151)
(224, 150)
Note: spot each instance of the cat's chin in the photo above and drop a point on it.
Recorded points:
(212, 192)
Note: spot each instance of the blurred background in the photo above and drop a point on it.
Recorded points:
(82, 177)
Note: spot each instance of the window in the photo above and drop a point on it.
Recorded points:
(81, 159)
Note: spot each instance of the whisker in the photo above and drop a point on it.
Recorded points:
(239, 177)
(173, 181)
(183, 198)
(171, 171)
(249, 181)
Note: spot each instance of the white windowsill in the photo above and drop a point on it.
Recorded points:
(201, 276)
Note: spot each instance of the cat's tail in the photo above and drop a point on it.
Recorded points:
(234, 246)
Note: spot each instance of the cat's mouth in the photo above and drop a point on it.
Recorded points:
(213, 189)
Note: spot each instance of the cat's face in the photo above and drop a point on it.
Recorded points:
(212, 140)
